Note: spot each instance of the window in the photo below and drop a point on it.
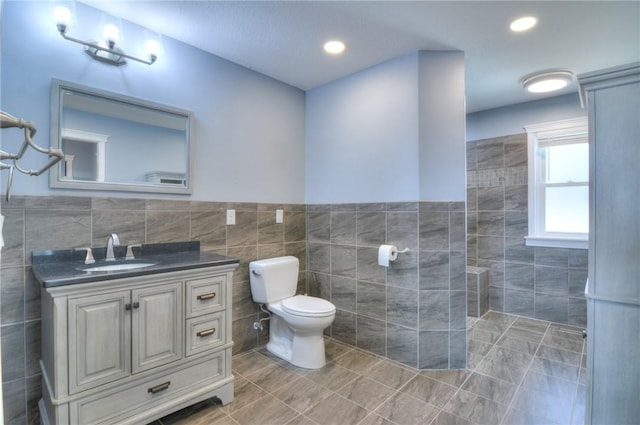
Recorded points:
(559, 184)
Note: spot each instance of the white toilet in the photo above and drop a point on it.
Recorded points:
(297, 322)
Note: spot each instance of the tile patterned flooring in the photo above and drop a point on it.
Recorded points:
(519, 371)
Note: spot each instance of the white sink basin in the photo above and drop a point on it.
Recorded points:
(117, 267)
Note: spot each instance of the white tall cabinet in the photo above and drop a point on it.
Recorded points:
(613, 294)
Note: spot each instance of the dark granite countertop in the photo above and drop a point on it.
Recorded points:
(67, 267)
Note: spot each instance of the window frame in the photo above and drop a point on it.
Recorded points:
(576, 128)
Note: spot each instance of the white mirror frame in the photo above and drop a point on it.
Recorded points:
(57, 180)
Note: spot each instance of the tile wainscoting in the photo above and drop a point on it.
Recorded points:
(63, 222)
(414, 311)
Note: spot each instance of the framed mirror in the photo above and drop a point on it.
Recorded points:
(116, 142)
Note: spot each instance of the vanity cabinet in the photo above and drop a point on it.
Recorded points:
(131, 350)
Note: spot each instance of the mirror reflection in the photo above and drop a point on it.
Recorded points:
(115, 142)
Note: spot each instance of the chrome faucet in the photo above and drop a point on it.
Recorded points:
(111, 242)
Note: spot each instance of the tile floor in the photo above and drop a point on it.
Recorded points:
(520, 371)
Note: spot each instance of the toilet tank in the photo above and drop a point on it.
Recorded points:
(273, 279)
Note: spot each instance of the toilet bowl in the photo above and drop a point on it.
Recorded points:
(297, 321)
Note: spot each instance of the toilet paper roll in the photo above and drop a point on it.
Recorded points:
(387, 253)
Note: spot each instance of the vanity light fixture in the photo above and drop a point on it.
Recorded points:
(106, 52)
(334, 47)
(523, 24)
(547, 81)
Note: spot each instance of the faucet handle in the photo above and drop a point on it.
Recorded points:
(89, 257)
(130, 255)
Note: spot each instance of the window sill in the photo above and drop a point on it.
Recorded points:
(550, 242)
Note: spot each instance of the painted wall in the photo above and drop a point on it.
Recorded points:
(249, 128)
(390, 133)
(442, 126)
(362, 136)
(511, 119)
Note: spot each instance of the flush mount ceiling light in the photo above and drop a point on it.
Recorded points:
(523, 24)
(548, 81)
(334, 47)
(106, 51)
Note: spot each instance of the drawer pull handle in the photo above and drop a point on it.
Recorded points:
(206, 296)
(159, 388)
(207, 332)
(127, 306)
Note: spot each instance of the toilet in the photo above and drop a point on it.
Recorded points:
(297, 321)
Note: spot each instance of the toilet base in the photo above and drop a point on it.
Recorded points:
(302, 349)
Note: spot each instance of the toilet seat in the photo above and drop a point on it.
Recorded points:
(302, 305)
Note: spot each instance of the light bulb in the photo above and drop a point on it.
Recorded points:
(111, 34)
(545, 86)
(62, 15)
(152, 48)
(334, 47)
(523, 24)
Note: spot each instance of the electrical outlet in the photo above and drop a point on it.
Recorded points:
(279, 216)
(231, 217)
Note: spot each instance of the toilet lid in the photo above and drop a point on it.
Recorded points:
(303, 305)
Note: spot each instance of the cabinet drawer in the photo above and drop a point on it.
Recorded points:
(204, 333)
(108, 408)
(205, 295)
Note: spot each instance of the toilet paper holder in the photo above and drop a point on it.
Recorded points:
(389, 253)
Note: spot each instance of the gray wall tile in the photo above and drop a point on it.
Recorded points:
(519, 276)
(343, 327)
(295, 226)
(434, 230)
(433, 350)
(519, 302)
(368, 267)
(434, 270)
(371, 335)
(402, 344)
(489, 154)
(343, 293)
(403, 273)
(343, 228)
(12, 295)
(268, 230)
(318, 226)
(434, 310)
(343, 260)
(552, 280)
(402, 229)
(402, 307)
(491, 198)
(371, 300)
(371, 228)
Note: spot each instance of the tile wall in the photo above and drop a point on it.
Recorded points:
(61, 222)
(542, 283)
(413, 312)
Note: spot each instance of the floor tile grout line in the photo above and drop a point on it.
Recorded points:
(524, 377)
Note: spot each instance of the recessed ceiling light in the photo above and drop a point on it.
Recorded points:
(334, 47)
(548, 81)
(523, 24)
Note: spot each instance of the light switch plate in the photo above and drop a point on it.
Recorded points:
(231, 217)
(279, 216)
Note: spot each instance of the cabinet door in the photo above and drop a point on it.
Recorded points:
(157, 326)
(99, 340)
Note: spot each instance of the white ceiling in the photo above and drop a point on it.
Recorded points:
(283, 39)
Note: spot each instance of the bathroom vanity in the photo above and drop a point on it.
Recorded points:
(130, 341)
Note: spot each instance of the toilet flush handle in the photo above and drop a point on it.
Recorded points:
(256, 272)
